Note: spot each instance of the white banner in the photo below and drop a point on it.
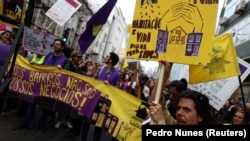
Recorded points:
(62, 10)
(219, 91)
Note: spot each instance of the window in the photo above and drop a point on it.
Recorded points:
(242, 34)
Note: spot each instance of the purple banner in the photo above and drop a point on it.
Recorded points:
(67, 89)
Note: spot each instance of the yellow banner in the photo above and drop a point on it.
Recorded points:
(223, 62)
(112, 108)
(179, 30)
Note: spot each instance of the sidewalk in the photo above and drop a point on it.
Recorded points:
(10, 119)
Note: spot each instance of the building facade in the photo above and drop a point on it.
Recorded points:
(109, 39)
(235, 19)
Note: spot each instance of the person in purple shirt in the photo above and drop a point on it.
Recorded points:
(56, 58)
(4, 52)
(108, 73)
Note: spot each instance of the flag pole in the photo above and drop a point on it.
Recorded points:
(243, 99)
(159, 85)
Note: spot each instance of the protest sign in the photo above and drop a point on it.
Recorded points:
(37, 41)
(62, 10)
(180, 31)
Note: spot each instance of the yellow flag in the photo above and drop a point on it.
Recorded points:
(223, 62)
(124, 65)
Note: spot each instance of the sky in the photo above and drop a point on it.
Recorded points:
(127, 9)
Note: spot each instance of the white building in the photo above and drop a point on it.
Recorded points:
(235, 19)
(109, 39)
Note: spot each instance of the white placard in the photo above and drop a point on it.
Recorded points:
(219, 91)
(62, 10)
(38, 41)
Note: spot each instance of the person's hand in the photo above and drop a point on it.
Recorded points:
(59, 66)
(83, 63)
(32, 63)
(167, 65)
(231, 107)
(136, 71)
(156, 113)
(106, 82)
(91, 52)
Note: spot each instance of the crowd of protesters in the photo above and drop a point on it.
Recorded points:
(177, 105)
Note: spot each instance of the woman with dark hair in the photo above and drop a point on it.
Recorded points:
(192, 109)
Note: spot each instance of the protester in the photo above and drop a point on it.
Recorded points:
(132, 83)
(4, 53)
(88, 66)
(6, 37)
(229, 112)
(175, 87)
(192, 109)
(239, 118)
(23, 105)
(192, 106)
(55, 58)
(150, 84)
(108, 73)
(72, 64)
(37, 59)
(248, 111)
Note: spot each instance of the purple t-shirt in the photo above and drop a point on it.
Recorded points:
(4, 52)
(51, 60)
(112, 77)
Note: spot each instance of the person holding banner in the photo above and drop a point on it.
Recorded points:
(110, 75)
(55, 58)
(72, 64)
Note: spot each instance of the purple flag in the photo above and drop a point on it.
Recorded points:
(95, 24)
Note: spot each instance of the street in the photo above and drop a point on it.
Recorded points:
(10, 119)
